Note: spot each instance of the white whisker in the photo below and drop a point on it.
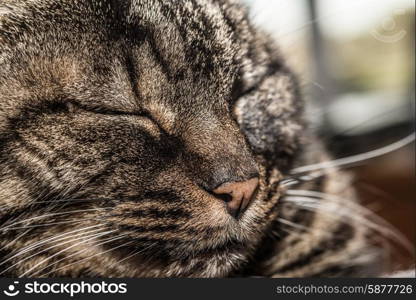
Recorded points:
(55, 214)
(66, 249)
(292, 224)
(350, 210)
(105, 241)
(46, 224)
(54, 239)
(356, 158)
(288, 182)
(87, 258)
(93, 232)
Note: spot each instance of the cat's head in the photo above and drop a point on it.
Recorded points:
(156, 129)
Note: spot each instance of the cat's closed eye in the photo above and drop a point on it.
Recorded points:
(74, 106)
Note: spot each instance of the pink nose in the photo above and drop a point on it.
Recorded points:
(237, 195)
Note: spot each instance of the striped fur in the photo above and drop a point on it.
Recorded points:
(116, 120)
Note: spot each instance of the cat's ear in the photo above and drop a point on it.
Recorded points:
(270, 115)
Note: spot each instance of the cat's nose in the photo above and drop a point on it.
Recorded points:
(237, 195)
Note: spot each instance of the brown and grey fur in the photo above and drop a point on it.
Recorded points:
(119, 117)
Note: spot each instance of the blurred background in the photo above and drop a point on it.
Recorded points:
(356, 61)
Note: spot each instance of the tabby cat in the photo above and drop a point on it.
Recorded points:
(156, 138)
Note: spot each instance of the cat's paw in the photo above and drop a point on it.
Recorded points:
(269, 116)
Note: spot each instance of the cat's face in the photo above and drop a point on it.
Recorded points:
(124, 120)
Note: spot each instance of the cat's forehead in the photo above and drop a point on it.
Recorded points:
(185, 53)
(179, 55)
(185, 38)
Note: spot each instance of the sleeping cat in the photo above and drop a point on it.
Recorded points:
(154, 138)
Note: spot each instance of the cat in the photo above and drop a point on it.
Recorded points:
(150, 138)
